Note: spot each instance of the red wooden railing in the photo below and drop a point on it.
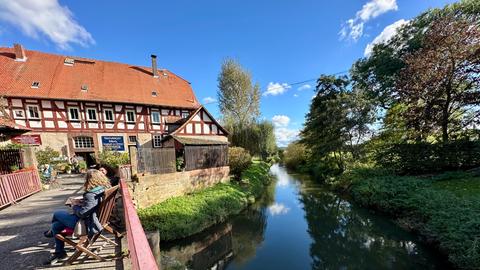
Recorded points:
(141, 255)
(16, 186)
(125, 172)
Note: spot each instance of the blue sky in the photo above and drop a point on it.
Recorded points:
(280, 42)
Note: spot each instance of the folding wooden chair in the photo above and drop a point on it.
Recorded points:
(104, 211)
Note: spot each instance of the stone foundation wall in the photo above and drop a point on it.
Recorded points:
(153, 189)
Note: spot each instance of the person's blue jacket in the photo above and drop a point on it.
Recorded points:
(88, 210)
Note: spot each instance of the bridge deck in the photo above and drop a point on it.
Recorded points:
(22, 244)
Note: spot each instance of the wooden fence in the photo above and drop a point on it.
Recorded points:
(156, 160)
(10, 158)
(16, 186)
(202, 157)
(141, 255)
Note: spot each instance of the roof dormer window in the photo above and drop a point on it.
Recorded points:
(84, 87)
(154, 93)
(69, 61)
(35, 84)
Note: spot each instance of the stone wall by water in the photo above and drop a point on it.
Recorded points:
(156, 188)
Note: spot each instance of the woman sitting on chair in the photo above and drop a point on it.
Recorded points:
(95, 185)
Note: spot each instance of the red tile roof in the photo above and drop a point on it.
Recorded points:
(106, 81)
(6, 123)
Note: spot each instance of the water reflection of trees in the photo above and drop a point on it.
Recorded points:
(248, 229)
(346, 238)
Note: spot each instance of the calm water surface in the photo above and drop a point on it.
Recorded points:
(298, 224)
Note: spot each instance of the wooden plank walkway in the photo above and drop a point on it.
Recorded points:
(22, 244)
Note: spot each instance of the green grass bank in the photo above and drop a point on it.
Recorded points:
(183, 216)
(444, 209)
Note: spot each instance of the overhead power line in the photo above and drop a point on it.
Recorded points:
(282, 85)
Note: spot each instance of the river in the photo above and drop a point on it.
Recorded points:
(299, 224)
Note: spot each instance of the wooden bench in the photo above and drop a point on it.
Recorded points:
(84, 243)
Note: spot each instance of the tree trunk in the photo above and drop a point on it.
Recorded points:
(445, 115)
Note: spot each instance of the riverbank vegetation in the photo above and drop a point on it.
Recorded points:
(404, 138)
(183, 216)
(444, 208)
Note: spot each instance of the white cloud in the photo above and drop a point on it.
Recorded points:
(209, 100)
(276, 88)
(283, 178)
(46, 17)
(353, 28)
(280, 120)
(305, 87)
(278, 209)
(387, 33)
(285, 136)
(295, 95)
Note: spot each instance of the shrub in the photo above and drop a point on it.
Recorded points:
(47, 156)
(12, 146)
(183, 216)
(112, 159)
(238, 159)
(295, 155)
(63, 167)
(180, 164)
(424, 157)
(82, 165)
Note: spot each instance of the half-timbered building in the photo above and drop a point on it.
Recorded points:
(81, 106)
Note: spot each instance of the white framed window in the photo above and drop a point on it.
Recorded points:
(157, 141)
(132, 139)
(130, 115)
(33, 112)
(18, 114)
(185, 114)
(155, 117)
(35, 84)
(83, 142)
(73, 114)
(92, 114)
(108, 113)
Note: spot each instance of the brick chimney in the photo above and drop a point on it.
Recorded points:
(19, 53)
(154, 66)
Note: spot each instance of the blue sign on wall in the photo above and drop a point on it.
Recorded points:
(114, 143)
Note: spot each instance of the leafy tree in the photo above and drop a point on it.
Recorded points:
(266, 145)
(377, 73)
(47, 156)
(338, 122)
(324, 130)
(295, 155)
(440, 80)
(239, 98)
(360, 116)
(257, 138)
(239, 103)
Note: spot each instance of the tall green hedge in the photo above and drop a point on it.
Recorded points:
(419, 158)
